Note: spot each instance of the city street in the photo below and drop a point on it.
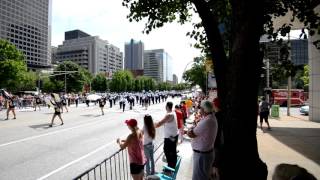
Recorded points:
(29, 149)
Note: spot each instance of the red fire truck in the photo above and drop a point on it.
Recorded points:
(280, 97)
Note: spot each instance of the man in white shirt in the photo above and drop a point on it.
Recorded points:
(204, 135)
(170, 135)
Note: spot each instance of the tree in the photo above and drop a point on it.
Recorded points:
(197, 74)
(229, 32)
(48, 86)
(164, 86)
(305, 77)
(12, 65)
(144, 83)
(27, 81)
(75, 79)
(122, 81)
(99, 83)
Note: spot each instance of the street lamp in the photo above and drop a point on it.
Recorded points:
(185, 68)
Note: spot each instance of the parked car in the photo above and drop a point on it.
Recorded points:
(304, 110)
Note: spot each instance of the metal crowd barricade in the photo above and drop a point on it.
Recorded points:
(116, 166)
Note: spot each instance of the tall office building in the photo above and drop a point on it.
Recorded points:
(299, 51)
(90, 52)
(133, 55)
(53, 54)
(27, 24)
(115, 62)
(175, 79)
(158, 65)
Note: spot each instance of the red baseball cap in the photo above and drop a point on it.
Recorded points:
(131, 122)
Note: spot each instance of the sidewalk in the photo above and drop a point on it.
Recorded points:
(293, 140)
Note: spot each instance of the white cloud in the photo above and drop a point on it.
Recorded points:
(107, 19)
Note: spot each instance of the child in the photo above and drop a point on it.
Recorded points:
(149, 133)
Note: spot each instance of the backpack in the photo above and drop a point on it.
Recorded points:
(264, 107)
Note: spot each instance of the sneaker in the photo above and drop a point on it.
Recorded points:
(6, 119)
(62, 124)
(14, 118)
(50, 125)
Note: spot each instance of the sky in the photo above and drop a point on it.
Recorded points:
(107, 19)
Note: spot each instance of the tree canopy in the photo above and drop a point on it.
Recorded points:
(99, 83)
(12, 66)
(121, 81)
(197, 75)
(75, 79)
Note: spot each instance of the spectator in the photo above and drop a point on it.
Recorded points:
(189, 106)
(264, 108)
(170, 135)
(204, 135)
(218, 144)
(179, 122)
(134, 142)
(183, 108)
(149, 133)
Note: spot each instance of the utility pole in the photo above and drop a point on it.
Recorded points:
(268, 79)
(289, 78)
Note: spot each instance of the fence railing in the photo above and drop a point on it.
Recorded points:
(116, 166)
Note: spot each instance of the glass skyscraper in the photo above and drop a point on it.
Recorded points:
(158, 65)
(133, 55)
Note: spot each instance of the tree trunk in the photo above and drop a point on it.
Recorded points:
(237, 81)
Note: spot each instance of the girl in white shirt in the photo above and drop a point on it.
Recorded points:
(149, 132)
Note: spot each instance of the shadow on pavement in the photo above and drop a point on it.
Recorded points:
(42, 126)
(90, 115)
(305, 141)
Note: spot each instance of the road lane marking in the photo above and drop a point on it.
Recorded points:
(50, 133)
(75, 161)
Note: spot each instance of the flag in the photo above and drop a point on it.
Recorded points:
(5, 94)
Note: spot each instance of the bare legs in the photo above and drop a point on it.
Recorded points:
(102, 110)
(53, 117)
(13, 112)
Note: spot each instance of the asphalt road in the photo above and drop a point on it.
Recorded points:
(29, 149)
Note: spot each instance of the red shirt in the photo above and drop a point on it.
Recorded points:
(184, 110)
(179, 118)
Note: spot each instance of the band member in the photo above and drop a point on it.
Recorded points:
(102, 102)
(64, 103)
(57, 110)
(37, 103)
(10, 107)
